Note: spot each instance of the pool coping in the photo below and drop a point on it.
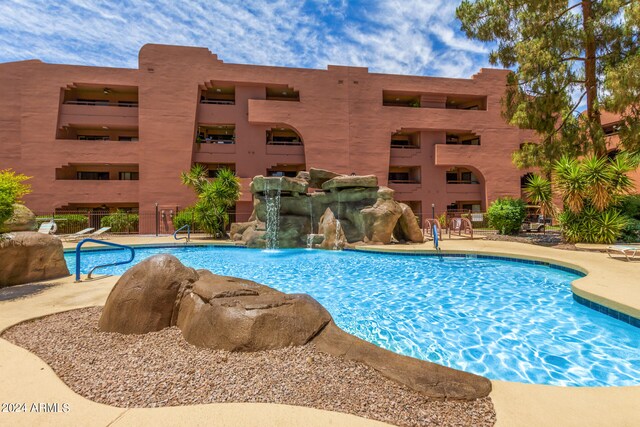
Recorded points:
(516, 404)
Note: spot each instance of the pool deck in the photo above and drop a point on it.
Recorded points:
(25, 378)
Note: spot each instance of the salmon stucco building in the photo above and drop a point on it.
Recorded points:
(109, 138)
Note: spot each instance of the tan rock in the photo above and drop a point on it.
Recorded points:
(334, 237)
(239, 315)
(27, 257)
(145, 298)
(285, 184)
(348, 181)
(21, 220)
(317, 177)
(407, 228)
(380, 220)
(428, 378)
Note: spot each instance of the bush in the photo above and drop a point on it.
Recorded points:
(184, 217)
(631, 232)
(11, 190)
(121, 222)
(506, 215)
(592, 226)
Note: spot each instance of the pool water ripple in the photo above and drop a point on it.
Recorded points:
(501, 319)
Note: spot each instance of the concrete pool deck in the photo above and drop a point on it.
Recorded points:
(25, 378)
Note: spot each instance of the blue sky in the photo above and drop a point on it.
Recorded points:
(419, 37)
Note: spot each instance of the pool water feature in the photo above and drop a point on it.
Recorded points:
(272, 200)
(501, 319)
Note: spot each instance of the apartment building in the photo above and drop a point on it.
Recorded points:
(108, 138)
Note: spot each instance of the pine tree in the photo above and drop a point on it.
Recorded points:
(563, 53)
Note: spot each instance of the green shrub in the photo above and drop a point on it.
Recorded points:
(184, 217)
(121, 222)
(630, 206)
(631, 232)
(592, 226)
(11, 190)
(506, 215)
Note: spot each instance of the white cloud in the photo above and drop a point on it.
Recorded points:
(389, 36)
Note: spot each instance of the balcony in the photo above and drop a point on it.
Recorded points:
(270, 112)
(112, 191)
(455, 155)
(466, 189)
(97, 115)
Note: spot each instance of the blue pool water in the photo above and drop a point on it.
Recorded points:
(501, 319)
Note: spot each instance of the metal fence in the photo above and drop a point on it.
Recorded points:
(157, 222)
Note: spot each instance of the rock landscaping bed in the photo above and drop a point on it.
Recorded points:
(162, 369)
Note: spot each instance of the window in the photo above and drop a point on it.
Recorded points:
(399, 176)
(128, 176)
(92, 176)
(127, 138)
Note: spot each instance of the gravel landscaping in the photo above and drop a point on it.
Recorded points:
(162, 369)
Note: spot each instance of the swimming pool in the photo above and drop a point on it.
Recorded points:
(501, 319)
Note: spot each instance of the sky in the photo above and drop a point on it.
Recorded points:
(415, 37)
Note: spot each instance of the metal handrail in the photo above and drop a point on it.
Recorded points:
(102, 242)
(188, 238)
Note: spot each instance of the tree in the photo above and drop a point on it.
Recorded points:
(215, 200)
(11, 190)
(564, 53)
(196, 177)
(590, 189)
(538, 191)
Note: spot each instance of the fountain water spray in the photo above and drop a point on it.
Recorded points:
(272, 200)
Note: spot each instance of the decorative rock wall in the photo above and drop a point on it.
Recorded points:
(354, 207)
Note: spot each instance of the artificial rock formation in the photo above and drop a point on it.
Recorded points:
(360, 210)
(30, 257)
(21, 220)
(227, 313)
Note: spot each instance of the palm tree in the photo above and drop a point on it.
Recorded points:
(196, 177)
(538, 191)
(215, 199)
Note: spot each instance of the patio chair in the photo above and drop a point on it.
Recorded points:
(98, 234)
(47, 227)
(629, 251)
(77, 236)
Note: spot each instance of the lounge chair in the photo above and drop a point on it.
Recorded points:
(629, 251)
(77, 236)
(98, 234)
(47, 227)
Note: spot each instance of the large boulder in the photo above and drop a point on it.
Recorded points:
(407, 228)
(31, 257)
(380, 220)
(239, 315)
(227, 313)
(285, 184)
(430, 379)
(317, 177)
(21, 220)
(334, 237)
(350, 181)
(145, 299)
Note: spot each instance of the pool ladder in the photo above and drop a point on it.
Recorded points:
(188, 238)
(100, 242)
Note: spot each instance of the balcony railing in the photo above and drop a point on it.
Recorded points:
(129, 104)
(217, 101)
(462, 182)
